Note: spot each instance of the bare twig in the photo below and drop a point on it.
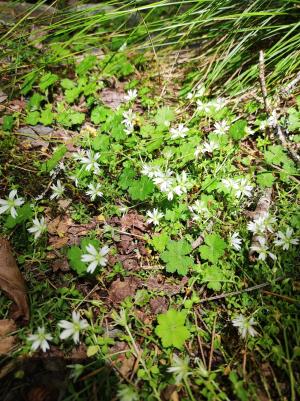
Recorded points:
(233, 293)
(212, 343)
(289, 87)
(262, 80)
(199, 241)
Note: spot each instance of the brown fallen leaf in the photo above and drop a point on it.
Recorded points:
(119, 290)
(11, 280)
(7, 326)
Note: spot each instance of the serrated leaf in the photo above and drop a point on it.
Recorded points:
(175, 257)
(35, 101)
(265, 180)
(86, 64)
(164, 116)
(126, 179)
(141, 189)
(159, 242)
(171, 329)
(33, 118)
(237, 130)
(214, 248)
(8, 123)
(47, 116)
(47, 80)
(67, 83)
(213, 276)
(99, 114)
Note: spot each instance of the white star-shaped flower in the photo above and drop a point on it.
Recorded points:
(38, 227)
(235, 241)
(245, 326)
(57, 190)
(11, 203)
(95, 257)
(91, 161)
(154, 217)
(131, 95)
(284, 239)
(262, 249)
(221, 127)
(179, 132)
(40, 340)
(73, 328)
(94, 191)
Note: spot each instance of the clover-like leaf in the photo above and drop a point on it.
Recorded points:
(171, 328)
(175, 257)
(214, 248)
(141, 189)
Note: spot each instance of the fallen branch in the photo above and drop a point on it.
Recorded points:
(286, 90)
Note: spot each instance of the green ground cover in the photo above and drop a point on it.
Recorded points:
(151, 202)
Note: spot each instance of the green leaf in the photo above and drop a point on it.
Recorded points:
(86, 64)
(74, 256)
(99, 114)
(126, 179)
(47, 116)
(72, 94)
(24, 213)
(47, 80)
(92, 350)
(214, 248)
(164, 116)
(28, 82)
(35, 101)
(54, 160)
(175, 257)
(213, 276)
(33, 117)
(265, 180)
(101, 142)
(171, 329)
(8, 122)
(76, 117)
(293, 120)
(141, 189)
(159, 242)
(237, 130)
(67, 83)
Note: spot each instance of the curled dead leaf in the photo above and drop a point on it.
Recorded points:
(7, 326)
(11, 280)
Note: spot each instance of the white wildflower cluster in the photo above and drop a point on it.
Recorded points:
(199, 210)
(167, 181)
(239, 186)
(88, 159)
(94, 191)
(260, 227)
(70, 329)
(210, 105)
(180, 368)
(57, 190)
(128, 121)
(197, 93)
(271, 121)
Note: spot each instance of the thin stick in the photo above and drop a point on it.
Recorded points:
(289, 87)
(233, 293)
(212, 344)
(262, 80)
